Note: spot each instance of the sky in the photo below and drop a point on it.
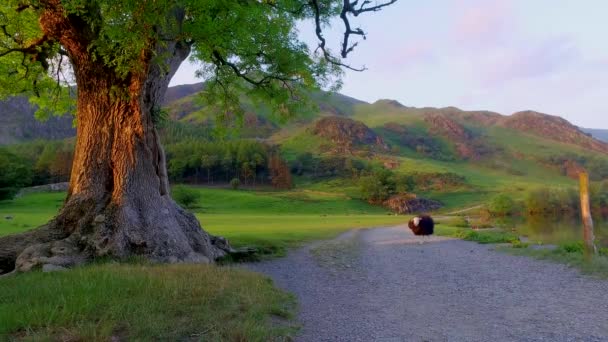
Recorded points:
(505, 56)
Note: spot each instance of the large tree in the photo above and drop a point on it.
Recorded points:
(114, 59)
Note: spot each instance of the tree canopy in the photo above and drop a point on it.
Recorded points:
(244, 47)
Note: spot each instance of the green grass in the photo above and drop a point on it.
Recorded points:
(275, 233)
(488, 236)
(143, 302)
(176, 302)
(29, 211)
(272, 220)
(570, 254)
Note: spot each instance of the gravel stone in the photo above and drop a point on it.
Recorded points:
(399, 289)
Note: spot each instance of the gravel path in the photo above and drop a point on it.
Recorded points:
(383, 285)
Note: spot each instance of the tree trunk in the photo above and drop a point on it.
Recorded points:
(118, 203)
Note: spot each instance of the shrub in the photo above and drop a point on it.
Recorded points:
(186, 197)
(547, 200)
(14, 174)
(502, 205)
(235, 183)
(377, 186)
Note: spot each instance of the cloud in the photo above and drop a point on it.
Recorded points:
(530, 60)
(482, 22)
(412, 54)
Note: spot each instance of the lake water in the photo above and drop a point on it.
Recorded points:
(553, 230)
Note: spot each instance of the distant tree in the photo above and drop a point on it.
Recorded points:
(235, 183)
(208, 161)
(378, 186)
(280, 176)
(116, 59)
(185, 196)
(14, 174)
(257, 162)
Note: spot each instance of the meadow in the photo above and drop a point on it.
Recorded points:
(140, 301)
(270, 219)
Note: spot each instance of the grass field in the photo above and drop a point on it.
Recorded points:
(274, 220)
(176, 302)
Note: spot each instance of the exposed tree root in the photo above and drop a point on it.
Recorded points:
(160, 232)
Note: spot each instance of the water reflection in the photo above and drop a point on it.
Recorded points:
(555, 230)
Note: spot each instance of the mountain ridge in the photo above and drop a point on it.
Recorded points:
(18, 123)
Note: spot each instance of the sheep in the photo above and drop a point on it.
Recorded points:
(422, 225)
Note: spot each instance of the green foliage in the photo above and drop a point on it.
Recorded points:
(377, 186)
(195, 159)
(235, 183)
(551, 200)
(185, 196)
(14, 174)
(572, 247)
(247, 48)
(598, 193)
(502, 205)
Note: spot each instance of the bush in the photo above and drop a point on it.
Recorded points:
(235, 183)
(502, 205)
(378, 186)
(14, 174)
(552, 201)
(186, 197)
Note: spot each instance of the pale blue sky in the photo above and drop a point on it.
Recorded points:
(501, 55)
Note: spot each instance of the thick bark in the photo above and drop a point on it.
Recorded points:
(118, 203)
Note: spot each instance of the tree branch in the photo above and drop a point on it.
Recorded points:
(32, 49)
(348, 7)
(220, 60)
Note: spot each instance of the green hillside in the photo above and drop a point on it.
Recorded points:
(492, 153)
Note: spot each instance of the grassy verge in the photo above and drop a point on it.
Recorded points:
(570, 254)
(480, 236)
(143, 302)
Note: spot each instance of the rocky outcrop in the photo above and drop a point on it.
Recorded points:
(410, 204)
(346, 133)
(554, 128)
(458, 135)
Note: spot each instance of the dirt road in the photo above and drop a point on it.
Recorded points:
(383, 285)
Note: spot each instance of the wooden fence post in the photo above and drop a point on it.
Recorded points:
(588, 236)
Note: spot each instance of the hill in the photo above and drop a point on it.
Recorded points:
(599, 134)
(17, 123)
(484, 151)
